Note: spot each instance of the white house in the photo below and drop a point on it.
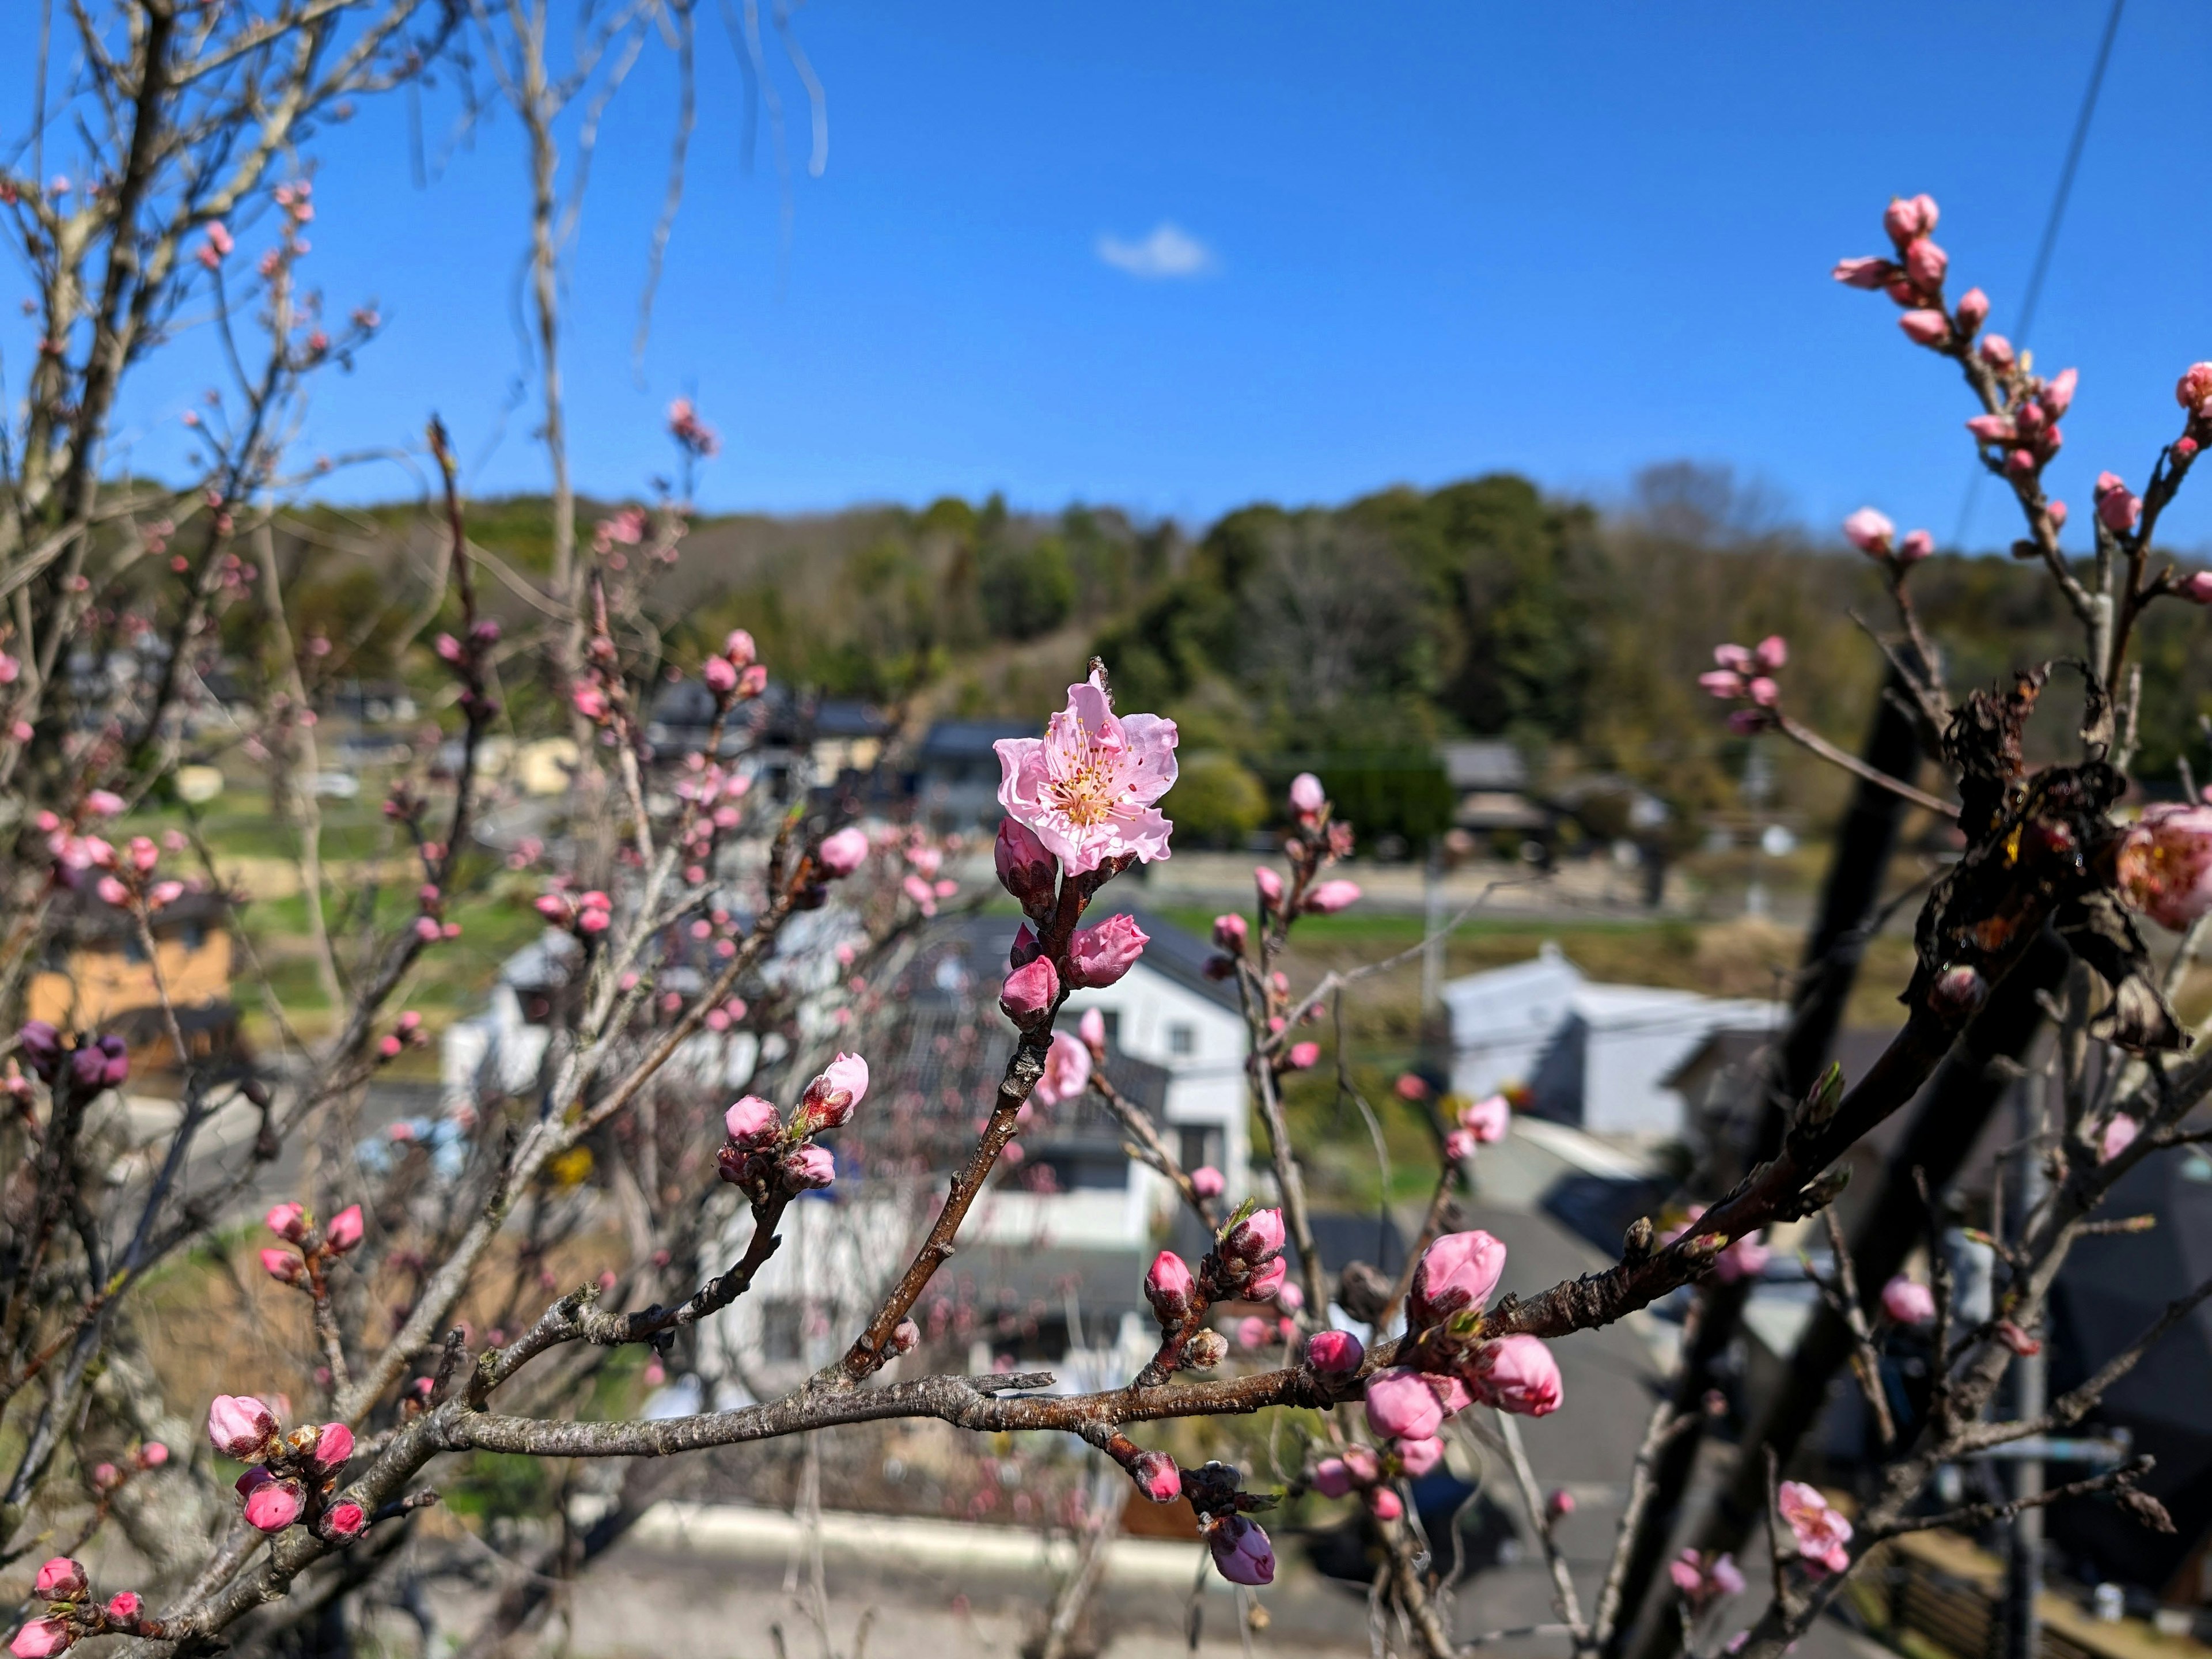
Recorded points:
(1597, 1056)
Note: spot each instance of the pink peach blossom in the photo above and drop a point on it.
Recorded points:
(1866, 272)
(1487, 1119)
(1207, 1182)
(2057, 396)
(1230, 932)
(830, 1097)
(810, 1166)
(1917, 545)
(1098, 957)
(1168, 1286)
(1402, 1406)
(1091, 1028)
(41, 1639)
(1907, 218)
(1383, 1504)
(1331, 1478)
(1332, 895)
(1088, 786)
(344, 1229)
(1927, 328)
(1458, 1146)
(1907, 1301)
(239, 1425)
(842, 853)
(1417, 1457)
(1307, 796)
(62, 1580)
(345, 1520)
(273, 1506)
(1334, 1353)
(1820, 1530)
(751, 1119)
(1516, 1374)
(1067, 1071)
(125, 1607)
(1973, 310)
(1869, 532)
(1030, 990)
(1025, 866)
(1301, 1057)
(287, 1221)
(282, 1266)
(1457, 1274)
(1158, 1477)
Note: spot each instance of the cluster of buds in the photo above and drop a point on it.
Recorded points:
(693, 436)
(2021, 438)
(1874, 535)
(735, 674)
(71, 1615)
(1914, 279)
(1746, 676)
(407, 1032)
(217, 245)
(1452, 1365)
(924, 882)
(292, 1477)
(430, 923)
(469, 656)
(89, 1064)
(1703, 1578)
(1369, 1474)
(296, 199)
(129, 884)
(599, 694)
(586, 914)
(765, 1157)
(1246, 1263)
(2193, 391)
(318, 1246)
(1481, 1123)
(73, 843)
(1095, 957)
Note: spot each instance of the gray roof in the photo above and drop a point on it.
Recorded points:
(1490, 764)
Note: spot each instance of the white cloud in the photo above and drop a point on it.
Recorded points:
(1170, 251)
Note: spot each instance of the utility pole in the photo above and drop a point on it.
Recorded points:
(2031, 1387)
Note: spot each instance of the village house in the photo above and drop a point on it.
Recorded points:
(96, 976)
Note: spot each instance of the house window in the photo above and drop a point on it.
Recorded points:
(1198, 1147)
(1182, 1039)
(781, 1331)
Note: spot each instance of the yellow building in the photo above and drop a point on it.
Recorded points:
(96, 976)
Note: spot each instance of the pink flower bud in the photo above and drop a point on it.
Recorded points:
(1993, 428)
(1157, 1476)
(289, 1221)
(1331, 1478)
(1487, 1119)
(333, 1448)
(2196, 588)
(1925, 263)
(238, 1425)
(1959, 989)
(842, 853)
(752, 682)
(1334, 1353)
(1030, 991)
(1091, 1028)
(738, 648)
(152, 1455)
(1560, 1504)
(2185, 449)
(809, 1166)
(1722, 684)
(1764, 692)
(1907, 218)
(1333, 895)
(1907, 1301)
(1242, 1554)
(103, 803)
(1097, 957)
(112, 891)
(1270, 886)
(720, 675)
(830, 1098)
(1417, 1457)
(1996, 351)
(345, 1230)
(42, 1639)
(1402, 1406)
(62, 1580)
(2058, 397)
(1869, 532)
(1458, 1146)
(752, 1122)
(1207, 1182)
(165, 893)
(273, 1506)
(1770, 652)
(1168, 1287)
(1973, 310)
(1302, 1056)
(1258, 1237)
(282, 1265)
(1026, 869)
(1734, 658)
(1383, 1504)
(1516, 1374)
(345, 1520)
(1928, 328)
(1457, 1274)
(2118, 507)
(906, 1337)
(1230, 932)
(1917, 545)
(1865, 273)
(125, 1607)
(1263, 1284)
(1307, 796)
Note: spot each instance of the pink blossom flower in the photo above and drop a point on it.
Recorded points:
(842, 853)
(1866, 272)
(1334, 1353)
(1257, 1237)
(2117, 507)
(1722, 683)
(1925, 263)
(1030, 990)
(345, 1520)
(1332, 895)
(125, 1607)
(1157, 1476)
(2165, 865)
(1487, 1119)
(720, 675)
(1973, 310)
(1457, 1274)
(1242, 1554)
(1993, 428)
(287, 1221)
(830, 1097)
(2119, 1134)
(1168, 1287)
(273, 1505)
(1026, 866)
(1207, 1182)
(906, 1336)
(1087, 787)
(42, 1639)
(1516, 1374)
(1821, 1532)
(103, 803)
(752, 1120)
(1770, 654)
(1307, 796)
(810, 1166)
(1417, 1457)
(62, 1580)
(239, 1425)
(1907, 1301)
(1067, 1071)
(1230, 932)
(345, 1229)
(1928, 328)
(1097, 957)
(1402, 1406)
(1869, 532)
(1269, 885)
(1907, 218)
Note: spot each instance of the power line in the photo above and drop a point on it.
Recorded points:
(2033, 294)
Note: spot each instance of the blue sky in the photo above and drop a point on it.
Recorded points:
(1181, 258)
